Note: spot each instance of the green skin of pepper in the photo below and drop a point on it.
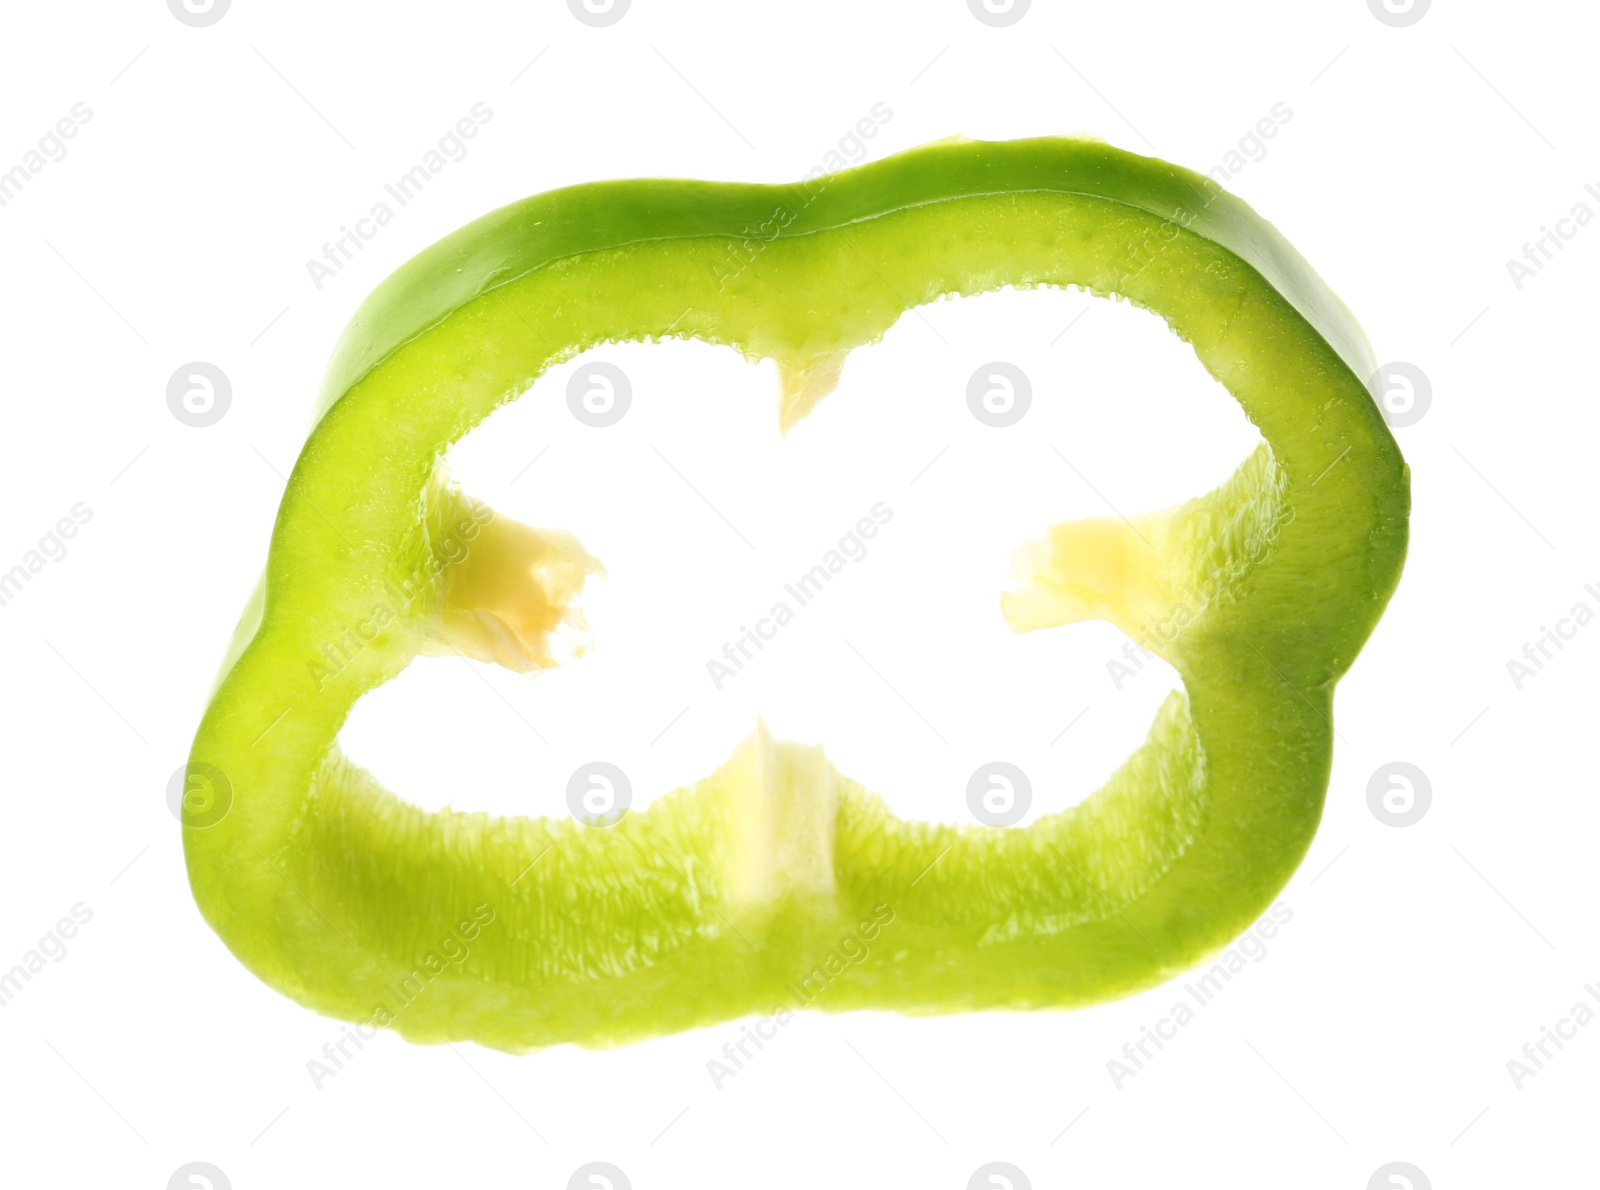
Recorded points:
(366, 909)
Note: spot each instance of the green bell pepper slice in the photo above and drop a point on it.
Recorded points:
(777, 882)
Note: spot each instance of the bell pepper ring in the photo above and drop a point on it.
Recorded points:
(731, 896)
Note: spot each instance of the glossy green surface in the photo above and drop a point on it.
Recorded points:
(335, 892)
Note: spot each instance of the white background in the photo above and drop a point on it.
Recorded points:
(177, 228)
